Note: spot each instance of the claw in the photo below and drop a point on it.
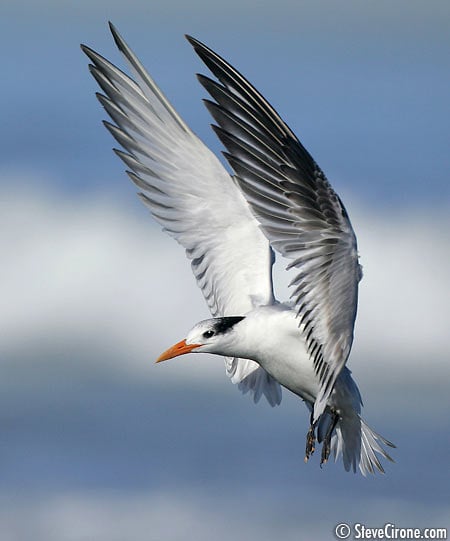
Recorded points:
(326, 446)
(310, 442)
(325, 452)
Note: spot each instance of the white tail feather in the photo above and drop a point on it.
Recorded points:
(358, 444)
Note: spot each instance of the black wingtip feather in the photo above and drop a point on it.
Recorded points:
(196, 44)
(116, 36)
(91, 54)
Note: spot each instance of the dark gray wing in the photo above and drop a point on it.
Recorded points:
(298, 210)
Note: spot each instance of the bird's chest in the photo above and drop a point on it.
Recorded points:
(289, 363)
(271, 337)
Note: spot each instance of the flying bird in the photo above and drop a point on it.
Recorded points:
(277, 201)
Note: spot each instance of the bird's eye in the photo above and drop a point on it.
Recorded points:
(208, 334)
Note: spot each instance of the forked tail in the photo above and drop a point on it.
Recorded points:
(358, 444)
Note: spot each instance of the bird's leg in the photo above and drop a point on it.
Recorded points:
(326, 446)
(310, 438)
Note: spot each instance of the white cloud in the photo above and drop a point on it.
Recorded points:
(403, 307)
(95, 278)
(92, 275)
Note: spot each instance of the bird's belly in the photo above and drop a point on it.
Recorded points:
(294, 370)
(275, 341)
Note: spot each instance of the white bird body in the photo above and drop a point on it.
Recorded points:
(266, 335)
(278, 200)
(275, 334)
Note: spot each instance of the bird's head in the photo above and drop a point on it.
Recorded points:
(210, 336)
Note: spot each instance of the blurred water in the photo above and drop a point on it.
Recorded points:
(79, 434)
(89, 450)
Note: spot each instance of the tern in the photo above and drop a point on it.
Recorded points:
(277, 200)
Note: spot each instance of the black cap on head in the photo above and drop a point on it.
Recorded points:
(224, 324)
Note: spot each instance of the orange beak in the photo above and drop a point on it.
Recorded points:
(178, 349)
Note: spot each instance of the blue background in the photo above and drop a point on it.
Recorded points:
(98, 443)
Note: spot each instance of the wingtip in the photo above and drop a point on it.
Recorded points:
(115, 33)
(198, 46)
(95, 58)
(191, 40)
(118, 40)
(90, 53)
(112, 28)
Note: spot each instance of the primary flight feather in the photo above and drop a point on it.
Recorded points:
(278, 200)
